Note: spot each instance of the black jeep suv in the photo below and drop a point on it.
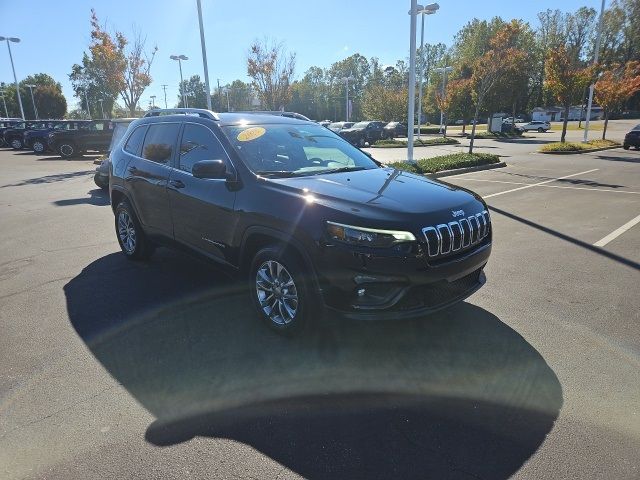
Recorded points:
(94, 135)
(306, 218)
(362, 133)
(38, 138)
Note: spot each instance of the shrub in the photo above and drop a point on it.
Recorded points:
(424, 143)
(446, 162)
(578, 146)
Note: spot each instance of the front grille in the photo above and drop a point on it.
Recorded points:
(458, 235)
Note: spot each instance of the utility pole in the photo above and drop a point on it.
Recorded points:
(219, 94)
(164, 87)
(346, 82)
(153, 101)
(595, 61)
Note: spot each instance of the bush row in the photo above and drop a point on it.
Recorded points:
(426, 142)
(447, 162)
(578, 146)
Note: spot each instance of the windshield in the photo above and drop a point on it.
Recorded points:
(294, 150)
(361, 125)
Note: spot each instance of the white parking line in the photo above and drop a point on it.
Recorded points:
(539, 183)
(555, 186)
(617, 232)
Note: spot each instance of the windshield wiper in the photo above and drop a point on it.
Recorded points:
(277, 173)
(342, 169)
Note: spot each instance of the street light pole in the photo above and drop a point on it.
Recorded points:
(204, 56)
(179, 58)
(595, 61)
(153, 101)
(33, 101)
(164, 87)
(444, 70)
(426, 10)
(15, 78)
(100, 100)
(412, 78)
(346, 81)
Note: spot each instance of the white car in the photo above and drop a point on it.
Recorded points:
(538, 125)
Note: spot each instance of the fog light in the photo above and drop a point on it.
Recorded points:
(361, 292)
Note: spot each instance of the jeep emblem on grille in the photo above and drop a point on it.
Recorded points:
(457, 213)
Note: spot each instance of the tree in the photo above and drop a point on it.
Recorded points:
(271, 69)
(239, 95)
(195, 91)
(461, 100)
(615, 87)
(565, 80)
(385, 104)
(110, 70)
(50, 102)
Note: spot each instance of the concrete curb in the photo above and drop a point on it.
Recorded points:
(458, 171)
(580, 151)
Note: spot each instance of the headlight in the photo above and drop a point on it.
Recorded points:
(367, 237)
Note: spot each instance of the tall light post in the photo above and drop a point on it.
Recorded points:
(153, 101)
(423, 11)
(180, 58)
(204, 56)
(33, 101)
(595, 61)
(101, 100)
(413, 13)
(164, 87)
(15, 78)
(444, 71)
(346, 81)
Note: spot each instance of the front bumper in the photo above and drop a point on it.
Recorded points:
(366, 287)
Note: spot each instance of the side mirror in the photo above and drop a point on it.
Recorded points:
(209, 169)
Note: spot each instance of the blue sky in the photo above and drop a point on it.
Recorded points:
(54, 33)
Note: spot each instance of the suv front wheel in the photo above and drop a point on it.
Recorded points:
(279, 290)
(131, 237)
(67, 149)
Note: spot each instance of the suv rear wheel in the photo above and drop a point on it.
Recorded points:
(67, 149)
(540, 129)
(38, 146)
(279, 291)
(131, 237)
(16, 143)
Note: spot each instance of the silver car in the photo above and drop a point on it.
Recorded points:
(537, 125)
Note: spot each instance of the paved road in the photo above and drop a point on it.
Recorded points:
(112, 369)
(506, 148)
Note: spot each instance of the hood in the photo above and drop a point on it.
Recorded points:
(388, 195)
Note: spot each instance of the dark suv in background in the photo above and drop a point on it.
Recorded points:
(362, 133)
(37, 139)
(306, 219)
(94, 135)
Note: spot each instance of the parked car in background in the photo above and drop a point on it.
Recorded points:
(37, 139)
(94, 135)
(13, 136)
(395, 129)
(632, 139)
(6, 123)
(362, 133)
(337, 127)
(101, 177)
(511, 120)
(536, 125)
(230, 187)
(325, 123)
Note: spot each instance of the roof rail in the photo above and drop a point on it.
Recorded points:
(200, 112)
(297, 115)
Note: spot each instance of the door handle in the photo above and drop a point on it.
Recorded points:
(176, 183)
(133, 170)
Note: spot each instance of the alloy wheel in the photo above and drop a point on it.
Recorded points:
(66, 150)
(277, 292)
(38, 146)
(126, 232)
(16, 144)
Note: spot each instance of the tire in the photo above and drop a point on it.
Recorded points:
(131, 238)
(16, 144)
(361, 142)
(67, 150)
(626, 147)
(279, 291)
(540, 130)
(38, 146)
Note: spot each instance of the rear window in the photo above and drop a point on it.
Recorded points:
(134, 144)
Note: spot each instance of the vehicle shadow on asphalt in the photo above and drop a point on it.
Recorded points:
(618, 159)
(96, 197)
(448, 396)
(57, 177)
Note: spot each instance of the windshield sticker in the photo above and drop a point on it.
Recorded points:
(251, 134)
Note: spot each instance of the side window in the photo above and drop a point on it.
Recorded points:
(98, 126)
(134, 143)
(160, 142)
(198, 143)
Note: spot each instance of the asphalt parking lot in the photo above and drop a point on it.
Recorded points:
(112, 369)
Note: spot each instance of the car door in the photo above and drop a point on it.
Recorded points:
(202, 209)
(147, 174)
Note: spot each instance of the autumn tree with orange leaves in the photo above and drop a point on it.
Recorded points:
(566, 80)
(114, 66)
(615, 87)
